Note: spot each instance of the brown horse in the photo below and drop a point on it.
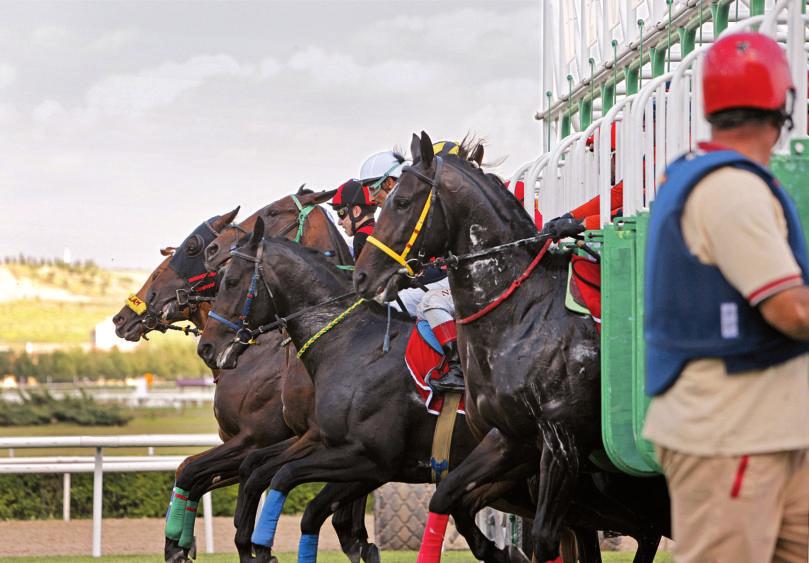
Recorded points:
(532, 368)
(247, 402)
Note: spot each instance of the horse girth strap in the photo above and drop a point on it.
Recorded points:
(442, 437)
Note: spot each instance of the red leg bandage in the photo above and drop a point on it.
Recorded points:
(433, 539)
(445, 332)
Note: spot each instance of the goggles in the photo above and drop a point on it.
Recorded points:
(342, 212)
(376, 185)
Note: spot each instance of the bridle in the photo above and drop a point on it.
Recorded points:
(300, 220)
(425, 216)
(451, 260)
(243, 333)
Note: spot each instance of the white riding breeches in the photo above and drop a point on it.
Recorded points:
(437, 307)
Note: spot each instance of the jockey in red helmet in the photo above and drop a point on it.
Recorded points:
(355, 212)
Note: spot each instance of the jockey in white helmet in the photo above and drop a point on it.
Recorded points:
(380, 173)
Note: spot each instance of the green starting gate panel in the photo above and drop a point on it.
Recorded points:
(620, 320)
(792, 171)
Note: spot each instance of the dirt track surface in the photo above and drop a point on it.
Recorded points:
(136, 536)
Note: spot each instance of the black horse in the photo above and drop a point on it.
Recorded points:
(372, 426)
(532, 368)
(248, 401)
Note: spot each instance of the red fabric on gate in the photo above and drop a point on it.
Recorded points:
(420, 358)
(587, 277)
(433, 539)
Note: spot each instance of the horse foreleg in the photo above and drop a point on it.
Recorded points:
(347, 499)
(558, 471)
(587, 546)
(493, 457)
(647, 548)
(339, 464)
(349, 523)
(255, 473)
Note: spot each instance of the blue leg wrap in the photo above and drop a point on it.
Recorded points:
(307, 549)
(264, 534)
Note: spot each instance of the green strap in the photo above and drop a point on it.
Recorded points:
(187, 537)
(303, 213)
(176, 516)
(344, 267)
(337, 320)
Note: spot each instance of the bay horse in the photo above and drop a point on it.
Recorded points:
(531, 367)
(248, 402)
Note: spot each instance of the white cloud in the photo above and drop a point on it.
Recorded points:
(47, 110)
(51, 36)
(269, 67)
(162, 85)
(8, 75)
(339, 69)
(115, 40)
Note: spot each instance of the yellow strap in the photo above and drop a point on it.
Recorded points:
(402, 258)
(337, 320)
(442, 437)
(136, 304)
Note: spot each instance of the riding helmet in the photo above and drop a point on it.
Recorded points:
(745, 70)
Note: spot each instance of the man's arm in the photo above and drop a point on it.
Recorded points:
(788, 311)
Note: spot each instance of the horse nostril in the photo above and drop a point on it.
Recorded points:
(118, 320)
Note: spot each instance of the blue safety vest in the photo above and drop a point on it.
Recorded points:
(691, 309)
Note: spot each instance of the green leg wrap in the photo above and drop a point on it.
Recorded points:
(187, 537)
(176, 515)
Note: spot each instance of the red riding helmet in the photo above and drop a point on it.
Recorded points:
(352, 193)
(745, 70)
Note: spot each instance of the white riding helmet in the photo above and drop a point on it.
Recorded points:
(380, 166)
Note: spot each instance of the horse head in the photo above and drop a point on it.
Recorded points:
(297, 217)
(156, 302)
(412, 226)
(265, 279)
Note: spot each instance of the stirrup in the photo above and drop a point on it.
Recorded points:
(449, 383)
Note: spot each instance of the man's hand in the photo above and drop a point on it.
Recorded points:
(563, 227)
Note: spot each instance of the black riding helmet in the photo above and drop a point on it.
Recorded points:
(352, 193)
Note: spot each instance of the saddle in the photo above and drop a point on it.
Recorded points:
(424, 357)
(584, 287)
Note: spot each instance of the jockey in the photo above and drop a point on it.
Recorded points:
(355, 212)
(379, 173)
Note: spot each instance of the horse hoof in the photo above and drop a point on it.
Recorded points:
(264, 554)
(370, 554)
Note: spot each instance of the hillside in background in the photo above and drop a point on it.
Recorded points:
(50, 302)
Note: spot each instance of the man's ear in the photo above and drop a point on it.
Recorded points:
(356, 211)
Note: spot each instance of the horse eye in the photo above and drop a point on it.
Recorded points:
(401, 203)
(230, 283)
(194, 245)
(273, 212)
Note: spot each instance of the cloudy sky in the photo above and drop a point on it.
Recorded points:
(125, 124)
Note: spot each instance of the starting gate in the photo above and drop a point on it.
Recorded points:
(621, 100)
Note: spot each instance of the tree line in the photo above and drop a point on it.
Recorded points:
(167, 360)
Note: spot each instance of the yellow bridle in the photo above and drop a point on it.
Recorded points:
(402, 258)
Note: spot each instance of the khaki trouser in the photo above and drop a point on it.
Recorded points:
(738, 509)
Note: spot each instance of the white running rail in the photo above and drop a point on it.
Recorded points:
(98, 465)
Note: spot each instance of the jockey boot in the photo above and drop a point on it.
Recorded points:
(453, 379)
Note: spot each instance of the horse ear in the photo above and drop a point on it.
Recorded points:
(415, 148)
(168, 251)
(258, 233)
(427, 153)
(477, 155)
(300, 189)
(323, 197)
(223, 221)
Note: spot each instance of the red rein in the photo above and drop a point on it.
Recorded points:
(511, 289)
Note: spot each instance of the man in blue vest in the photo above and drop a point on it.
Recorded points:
(727, 324)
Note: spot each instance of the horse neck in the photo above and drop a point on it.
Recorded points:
(482, 215)
(321, 233)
